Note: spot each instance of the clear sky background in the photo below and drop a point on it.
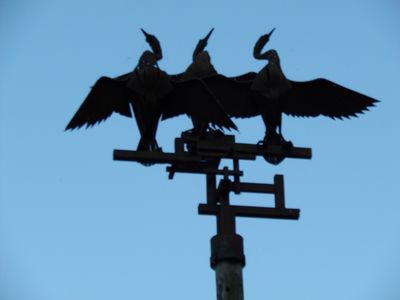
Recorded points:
(74, 224)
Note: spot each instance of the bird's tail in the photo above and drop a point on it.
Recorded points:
(225, 123)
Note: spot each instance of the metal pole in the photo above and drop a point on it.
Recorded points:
(227, 255)
(227, 260)
(229, 280)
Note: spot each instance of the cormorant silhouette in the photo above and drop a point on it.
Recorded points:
(276, 95)
(269, 93)
(200, 68)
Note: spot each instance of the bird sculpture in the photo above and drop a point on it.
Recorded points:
(200, 68)
(211, 99)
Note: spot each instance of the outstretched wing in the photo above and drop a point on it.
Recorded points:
(107, 96)
(235, 96)
(323, 97)
(194, 98)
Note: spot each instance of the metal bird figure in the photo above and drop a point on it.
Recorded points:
(149, 91)
(302, 99)
(200, 68)
(269, 93)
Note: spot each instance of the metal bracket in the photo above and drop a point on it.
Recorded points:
(196, 155)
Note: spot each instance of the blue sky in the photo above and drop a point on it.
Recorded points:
(74, 224)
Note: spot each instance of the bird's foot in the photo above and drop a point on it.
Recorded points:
(148, 146)
(287, 145)
(155, 148)
(204, 133)
(272, 159)
(277, 141)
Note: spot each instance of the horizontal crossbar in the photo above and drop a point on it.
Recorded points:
(202, 170)
(155, 157)
(247, 187)
(225, 147)
(252, 211)
(250, 150)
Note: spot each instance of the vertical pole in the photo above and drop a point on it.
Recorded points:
(227, 260)
(227, 255)
(229, 280)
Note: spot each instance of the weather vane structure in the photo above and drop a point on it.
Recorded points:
(212, 100)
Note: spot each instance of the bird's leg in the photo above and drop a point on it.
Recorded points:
(148, 131)
(285, 144)
(155, 147)
(273, 134)
(273, 130)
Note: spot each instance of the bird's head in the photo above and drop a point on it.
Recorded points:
(201, 45)
(261, 42)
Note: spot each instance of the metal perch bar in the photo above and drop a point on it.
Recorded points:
(252, 211)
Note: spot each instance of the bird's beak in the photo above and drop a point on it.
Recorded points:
(145, 33)
(270, 33)
(209, 34)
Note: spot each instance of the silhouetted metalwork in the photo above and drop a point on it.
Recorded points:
(193, 149)
(301, 99)
(210, 98)
(203, 155)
